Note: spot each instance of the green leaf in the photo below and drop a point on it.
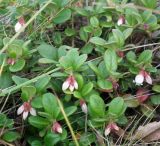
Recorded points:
(69, 111)
(156, 88)
(28, 92)
(15, 49)
(51, 139)
(87, 88)
(50, 104)
(60, 3)
(36, 143)
(87, 49)
(146, 15)
(47, 51)
(88, 29)
(57, 38)
(96, 106)
(131, 101)
(11, 136)
(104, 84)
(81, 11)
(38, 122)
(83, 35)
(72, 61)
(42, 83)
(131, 57)
(80, 81)
(87, 138)
(155, 99)
(110, 59)
(98, 41)
(77, 94)
(133, 17)
(46, 61)
(80, 61)
(37, 102)
(17, 66)
(70, 32)
(116, 107)
(5, 122)
(149, 3)
(145, 56)
(18, 80)
(94, 68)
(6, 79)
(127, 32)
(119, 37)
(63, 16)
(97, 32)
(94, 21)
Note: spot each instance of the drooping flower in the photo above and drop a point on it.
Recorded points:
(11, 61)
(84, 106)
(142, 95)
(121, 20)
(143, 76)
(57, 128)
(70, 84)
(111, 127)
(26, 108)
(19, 24)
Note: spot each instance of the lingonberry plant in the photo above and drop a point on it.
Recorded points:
(78, 73)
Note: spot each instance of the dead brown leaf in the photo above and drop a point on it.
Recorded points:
(149, 132)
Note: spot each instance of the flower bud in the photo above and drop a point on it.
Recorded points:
(121, 20)
(10, 61)
(19, 24)
(84, 106)
(57, 128)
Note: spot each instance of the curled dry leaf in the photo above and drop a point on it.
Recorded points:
(148, 132)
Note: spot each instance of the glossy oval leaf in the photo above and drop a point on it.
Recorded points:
(17, 66)
(116, 107)
(63, 16)
(50, 104)
(96, 106)
(38, 122)
(47, 51)
(110, 59)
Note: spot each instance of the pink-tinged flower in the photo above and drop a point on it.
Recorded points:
(120, 54)
(19, 24)
(84, 106)
(57, 128)
(26, 108)
(143, 76)
(121, 20)
(11, 61)
(111, 127)
(142, 95)
(146, 26)
(70, 84)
